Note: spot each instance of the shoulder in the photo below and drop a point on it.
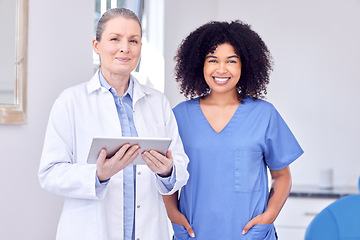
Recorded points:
(151, 91)
(77, 94)
(149, 99)
(146, 90)
(72, 93)
(79, 90)
(259, 105)
(185, 105)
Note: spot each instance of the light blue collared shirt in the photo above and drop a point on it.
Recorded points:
(125, 112)
(124, 106)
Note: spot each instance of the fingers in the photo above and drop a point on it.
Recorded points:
(149, 160)
(125, 151)
(168, 154)
(190, 231)
(188, 228)
(156, 158)
(106, 168)
(258, 220)
(249, 225)
(153, 158)
(246, 229)
(129, 155)
(158, 163)
(102, 157)
(180, 219)
(99, 165)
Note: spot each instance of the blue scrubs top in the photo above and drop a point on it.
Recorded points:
(228, 184)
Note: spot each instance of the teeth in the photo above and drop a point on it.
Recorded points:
(221, 79)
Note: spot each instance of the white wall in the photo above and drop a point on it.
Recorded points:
(60, 55)
(181, 17)
(315, 45)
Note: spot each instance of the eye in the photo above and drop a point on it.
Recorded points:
(114, 39)
(232, 61)
(133, 41)
(212, 61)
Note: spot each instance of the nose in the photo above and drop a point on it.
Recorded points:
(222, 69)
(124, 48)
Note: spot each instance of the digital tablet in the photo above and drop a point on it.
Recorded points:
(113, 144)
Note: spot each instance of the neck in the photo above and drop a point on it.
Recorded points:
(222, 98)
(119, 82)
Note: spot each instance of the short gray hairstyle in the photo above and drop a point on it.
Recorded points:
(112, 13)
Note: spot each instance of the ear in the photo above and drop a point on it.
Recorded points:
(95, 44)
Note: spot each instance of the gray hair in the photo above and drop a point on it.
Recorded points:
(112, 13)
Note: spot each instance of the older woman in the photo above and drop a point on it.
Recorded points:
(231, 137)
(113, 199)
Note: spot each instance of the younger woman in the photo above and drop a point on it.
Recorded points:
(231, 137)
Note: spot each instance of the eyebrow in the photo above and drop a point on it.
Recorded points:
(118, 34)
(232, 56)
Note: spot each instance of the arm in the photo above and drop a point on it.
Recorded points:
(63, 169)
(281, 187)
(59, 171)
(180, 159)
(175, 216)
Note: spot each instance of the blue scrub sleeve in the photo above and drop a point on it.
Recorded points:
(282, 147)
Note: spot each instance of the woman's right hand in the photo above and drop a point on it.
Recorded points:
(178, 218)
(108, 167)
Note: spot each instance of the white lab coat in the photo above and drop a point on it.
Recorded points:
(87, 110)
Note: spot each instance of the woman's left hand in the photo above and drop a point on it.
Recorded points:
(159, 163)
(280, 190)
(258, 220)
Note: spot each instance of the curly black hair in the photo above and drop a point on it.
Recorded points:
(255, 58)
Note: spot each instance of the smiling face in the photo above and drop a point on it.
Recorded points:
(222, 69)
(120, 46)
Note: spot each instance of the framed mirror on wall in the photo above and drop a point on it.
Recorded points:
(13, 60)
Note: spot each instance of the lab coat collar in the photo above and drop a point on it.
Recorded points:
(139, 90)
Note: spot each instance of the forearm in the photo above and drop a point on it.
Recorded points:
(70, 180)
(281, 187)
(171, 204)
(175, 216)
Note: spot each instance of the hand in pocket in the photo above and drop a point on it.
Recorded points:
(179, 219)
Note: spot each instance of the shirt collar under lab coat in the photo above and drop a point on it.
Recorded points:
(106, 85)
(138, 92)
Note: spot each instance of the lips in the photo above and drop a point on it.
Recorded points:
(123, 59)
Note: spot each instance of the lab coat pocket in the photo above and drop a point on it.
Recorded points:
(247, 168)
(261, 232)
(180, 232)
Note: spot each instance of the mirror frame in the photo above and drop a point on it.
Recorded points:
(16, 113)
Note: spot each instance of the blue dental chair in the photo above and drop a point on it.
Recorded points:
(339, 221)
